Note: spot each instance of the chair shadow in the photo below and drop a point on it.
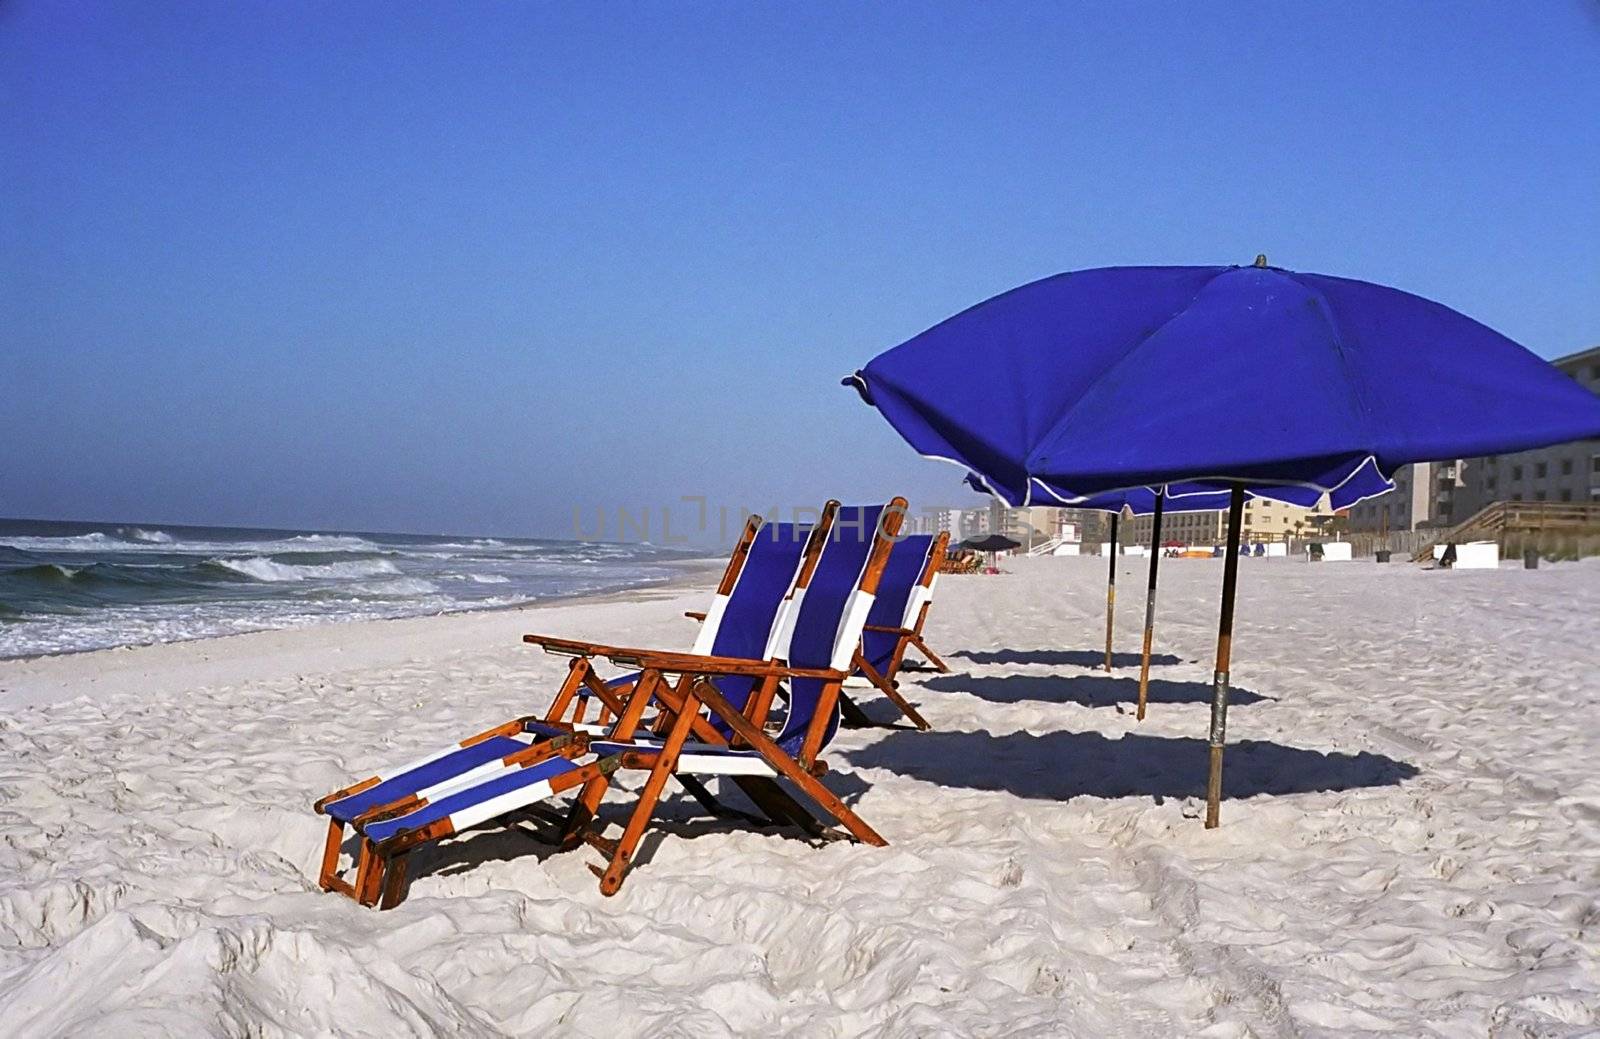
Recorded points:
(517, 840)
(880, 711)
(1088, 690)
(675, 816)
(1059, 766)
(1064, 657)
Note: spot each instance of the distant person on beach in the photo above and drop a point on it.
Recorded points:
(1448, 558)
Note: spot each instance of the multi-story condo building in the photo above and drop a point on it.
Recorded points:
(1033, 525)
(1027, 526)
(1427, 494)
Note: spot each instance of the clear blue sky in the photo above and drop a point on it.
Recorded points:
(459, 267)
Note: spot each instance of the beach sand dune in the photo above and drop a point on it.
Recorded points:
(1411, 845)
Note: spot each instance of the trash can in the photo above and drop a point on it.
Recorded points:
(1383, 555)
(1530, 559)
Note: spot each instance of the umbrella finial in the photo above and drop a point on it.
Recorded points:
(1261, 259)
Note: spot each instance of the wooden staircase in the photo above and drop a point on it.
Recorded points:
(1553, 528)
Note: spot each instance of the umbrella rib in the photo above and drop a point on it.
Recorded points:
(1357, 387)
(1066, 412)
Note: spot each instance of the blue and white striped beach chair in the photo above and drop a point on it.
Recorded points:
(895, 624)
(825, 632)
(832, 597)
(522, 753)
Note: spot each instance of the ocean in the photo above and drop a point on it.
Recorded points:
(67, 586)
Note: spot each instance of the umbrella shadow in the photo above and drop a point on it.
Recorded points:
(1088, 690)
(1064, 657)
(1059, 766)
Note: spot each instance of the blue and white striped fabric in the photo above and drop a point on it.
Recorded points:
(436, 770)
(479, 802)
(829, 622)
(741, 623)
(827, 628)
(897, 602)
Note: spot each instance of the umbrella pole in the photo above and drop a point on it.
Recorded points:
(1219, 690)
(1150, 601)
(1111, 587)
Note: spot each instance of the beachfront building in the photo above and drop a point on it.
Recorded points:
(1274, 521)
(1027, 526)
(1427, 494)
(1442, 494)
(1191, 528)
(961, 523)
(1263, 521)
(1032, 525)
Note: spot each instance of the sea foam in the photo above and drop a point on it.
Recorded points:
(260, 568)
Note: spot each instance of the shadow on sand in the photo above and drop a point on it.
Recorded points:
(1063, 657)
(675, 817)
(1088, 690)
(1062, 765)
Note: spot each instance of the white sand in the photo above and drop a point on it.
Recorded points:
(1419, 853)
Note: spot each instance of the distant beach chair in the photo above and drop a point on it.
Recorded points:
(961, 561)
(832, 597)
(744, 616)
(895, 624)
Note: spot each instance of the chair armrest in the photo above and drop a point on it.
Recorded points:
(696, 664)
(695, 615)
(889, 629)
(577, 647)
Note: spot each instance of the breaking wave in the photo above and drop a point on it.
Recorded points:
(260, 568)
(148, 537)
(72, 586)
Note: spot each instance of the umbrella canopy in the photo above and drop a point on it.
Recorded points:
(1193, 496)
(1141, 501)
(991, 543)
(1203, 496)
(1144, 377)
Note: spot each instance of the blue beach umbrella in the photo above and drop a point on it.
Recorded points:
(1284, 383)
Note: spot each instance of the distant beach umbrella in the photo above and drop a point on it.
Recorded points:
(991, 543)
(1282, 384)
